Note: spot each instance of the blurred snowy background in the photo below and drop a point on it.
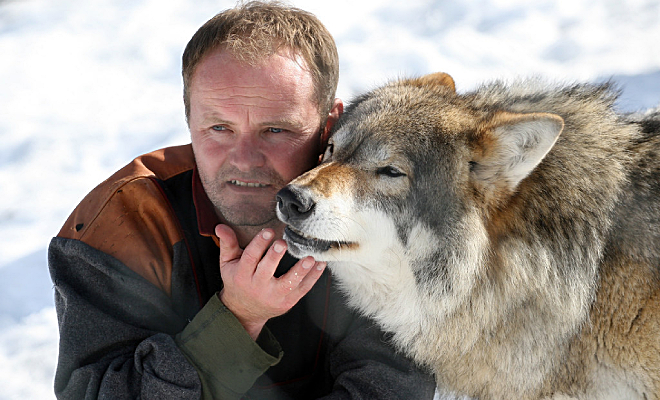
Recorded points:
(86, 85)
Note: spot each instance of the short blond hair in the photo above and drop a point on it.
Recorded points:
(255, 30)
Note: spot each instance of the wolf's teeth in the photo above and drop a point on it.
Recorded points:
(299, 233)
(247, 184)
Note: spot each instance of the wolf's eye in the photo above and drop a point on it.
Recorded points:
(328, 151)
(390, 171)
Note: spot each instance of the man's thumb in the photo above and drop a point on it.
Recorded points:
(228, 243)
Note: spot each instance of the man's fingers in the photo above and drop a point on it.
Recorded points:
(229, 249)
(255, 250)
(302, 277)
(312, 276)
(267, 266)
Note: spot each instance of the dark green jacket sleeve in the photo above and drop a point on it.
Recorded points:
(228, 360)
(117, 336)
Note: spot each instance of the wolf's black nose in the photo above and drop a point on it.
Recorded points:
(293, 205)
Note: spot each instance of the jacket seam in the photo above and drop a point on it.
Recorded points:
(158, 184)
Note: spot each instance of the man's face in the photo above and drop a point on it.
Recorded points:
(253, 129)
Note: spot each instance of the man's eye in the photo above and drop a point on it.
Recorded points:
(275, 130)
(218, 128)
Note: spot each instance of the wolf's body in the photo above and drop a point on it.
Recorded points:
(509, 238)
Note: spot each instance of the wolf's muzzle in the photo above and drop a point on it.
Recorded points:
(293, 205)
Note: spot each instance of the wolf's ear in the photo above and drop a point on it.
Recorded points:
(513, 145)
(435, 79)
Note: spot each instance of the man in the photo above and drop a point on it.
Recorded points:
(170, 277)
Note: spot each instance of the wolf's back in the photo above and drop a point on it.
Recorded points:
(636, 234)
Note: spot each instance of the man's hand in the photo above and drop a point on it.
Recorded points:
(251, 292)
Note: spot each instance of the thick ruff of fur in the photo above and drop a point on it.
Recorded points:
(508, 238)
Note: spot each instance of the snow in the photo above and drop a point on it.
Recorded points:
(86, 85)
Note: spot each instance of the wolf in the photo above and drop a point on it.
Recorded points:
(507, 238)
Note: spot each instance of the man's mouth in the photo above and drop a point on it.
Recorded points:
(247, 184)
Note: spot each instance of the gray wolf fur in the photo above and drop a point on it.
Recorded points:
(508, 238)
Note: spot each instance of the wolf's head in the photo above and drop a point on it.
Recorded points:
(407, 181)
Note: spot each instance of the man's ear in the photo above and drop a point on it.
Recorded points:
(335, 112)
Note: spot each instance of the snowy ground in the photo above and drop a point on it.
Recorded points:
(86, 85)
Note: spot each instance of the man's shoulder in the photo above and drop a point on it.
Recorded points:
(162, 164)
(130, 218)
(134, 186)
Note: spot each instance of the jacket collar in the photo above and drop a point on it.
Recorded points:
(207, 219)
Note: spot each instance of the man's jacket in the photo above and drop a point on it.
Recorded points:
(136, 273)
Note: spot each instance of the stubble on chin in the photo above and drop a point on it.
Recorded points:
(244, 211)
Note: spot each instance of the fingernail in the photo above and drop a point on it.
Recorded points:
(307, 264)
(267, 235)
(320, 266)
(278, 247)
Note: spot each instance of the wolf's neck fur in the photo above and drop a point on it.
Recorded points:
(477, 321)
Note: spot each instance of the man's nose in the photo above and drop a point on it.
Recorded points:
(247, 153)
